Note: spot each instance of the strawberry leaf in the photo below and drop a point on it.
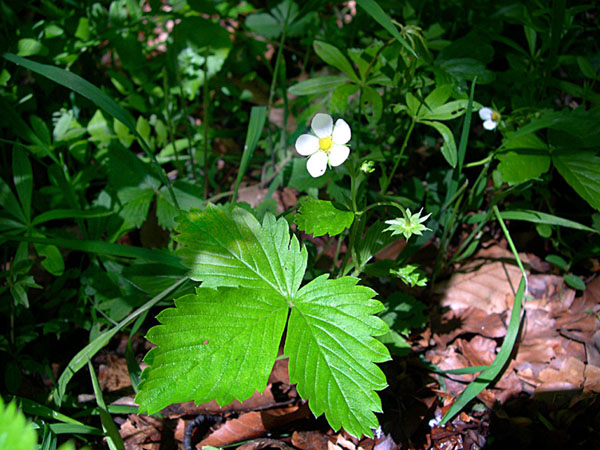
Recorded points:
(215, 344)
(227, 246)
(319, 217)
(332, 352)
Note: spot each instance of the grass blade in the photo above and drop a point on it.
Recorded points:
(381, 17)
(59, 214)
(258, 116)
(100, 99)
(113, 438)
(105, 248)
(499, 363)
(81, 358)
(23, 179)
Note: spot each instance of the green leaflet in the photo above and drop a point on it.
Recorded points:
(216, 344)
(228, 247)
(319, 217)
(581, 169)
(332, 352)
(15, 432)
(221, 343)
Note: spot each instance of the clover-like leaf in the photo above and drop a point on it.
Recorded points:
(332, 352)
(319, 217)
(215, 344)
(229, 247)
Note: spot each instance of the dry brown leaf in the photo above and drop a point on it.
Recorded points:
(592, 379)
(309, 440)
(260, 400)
(113, 375)
(253, 425)
(490, 288)
(138, 431)
(259, 444)
(479, 351)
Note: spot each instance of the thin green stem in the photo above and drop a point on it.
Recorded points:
(170, 126)
(274, 80)
(388, 178)
(205, 122)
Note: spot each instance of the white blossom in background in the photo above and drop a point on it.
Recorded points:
(490, 118)
(327, 147)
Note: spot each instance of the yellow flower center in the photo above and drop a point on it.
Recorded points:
(496, 116)
(325, 144)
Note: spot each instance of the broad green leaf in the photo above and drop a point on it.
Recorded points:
(332, 352)
(375, 11)
(413, 105)
(318, 85)
(264, 24)
(340, 96)
(575, 282)
(449, 111)
(23, 179)
(15, 432)
(529, 158)
(319, 217)
(581, 169)
(449, 148)
(215, 344)
(226, 246)
(586, 68)
(438, 96)
(137, 204)
(373, 97)
(52, 259)
(10, 203)
(517, 167)
(334, 57)
(30, 47)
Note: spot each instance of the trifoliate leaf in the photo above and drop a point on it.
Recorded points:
(215, 344)
(229, 247)
(15, 432)
(332, 352)
(319, 217)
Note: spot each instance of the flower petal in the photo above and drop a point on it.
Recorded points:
(338, 154)
(307, 144)
(317, 164)
(341, 132)
(489, 124)
(485, 113)
(322, 125)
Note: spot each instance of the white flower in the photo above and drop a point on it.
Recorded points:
(327, 147)
(490, 118)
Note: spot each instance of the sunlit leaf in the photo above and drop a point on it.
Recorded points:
(319, 217)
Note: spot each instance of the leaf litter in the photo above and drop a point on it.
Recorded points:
(556, 366)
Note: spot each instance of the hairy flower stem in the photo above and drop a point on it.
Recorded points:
(354, 227)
